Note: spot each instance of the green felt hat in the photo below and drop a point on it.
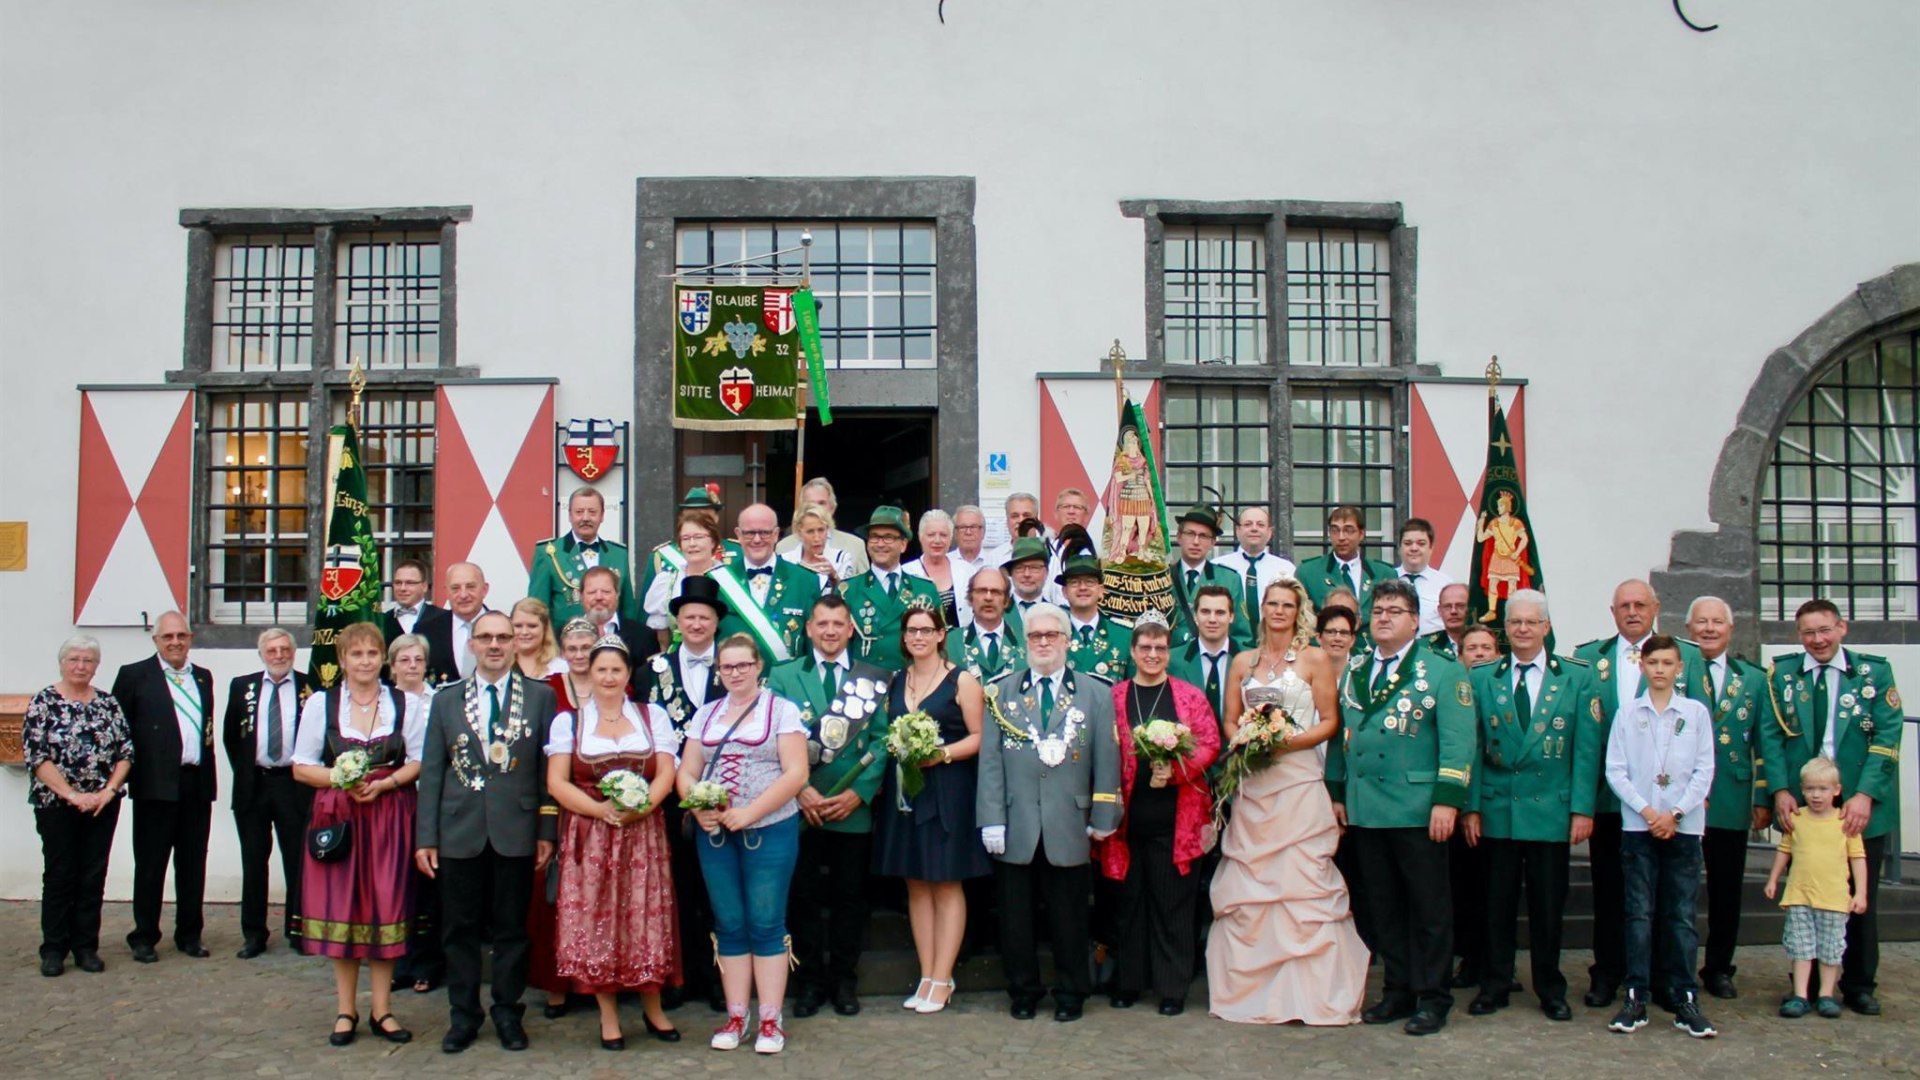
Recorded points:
(1079, 566)
(1200, 515)
(1025, 548)
(889, 517)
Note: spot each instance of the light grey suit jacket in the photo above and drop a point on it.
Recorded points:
(467, 801)
(1034, 800)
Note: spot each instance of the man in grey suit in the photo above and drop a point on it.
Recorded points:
(486, 825)
(1049, 781)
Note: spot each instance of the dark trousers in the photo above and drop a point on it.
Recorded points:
(1064, 890)
(1609, 968)
(173, 832)
(1154, 906)
(426, 959)
(281, 807)
(1663, 880)
(1541, 868)
(698, 972)
(1725, 853)
(1412, 918)
(1349, 867)
(1467, 879)
(1860, 968)
(488, 892)
(74, 848)
(827, 908)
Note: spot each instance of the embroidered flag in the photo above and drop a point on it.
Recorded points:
(1134, 541)
(1505, 557)
(349, 585)
(736, 356)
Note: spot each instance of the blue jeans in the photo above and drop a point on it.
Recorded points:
(1662, 877)
(747, 876)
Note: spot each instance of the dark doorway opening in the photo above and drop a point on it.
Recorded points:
(873, 457)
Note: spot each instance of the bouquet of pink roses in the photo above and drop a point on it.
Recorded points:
(1163, 742)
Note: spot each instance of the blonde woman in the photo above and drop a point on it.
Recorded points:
(813, 526)
(1283, 945)
(536, 652)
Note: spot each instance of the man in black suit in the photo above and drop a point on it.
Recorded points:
(485, 827)
(263, 711)
(412, 614)
(167, 702)
(600, 601)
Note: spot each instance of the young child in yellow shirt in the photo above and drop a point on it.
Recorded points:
(1817, 898)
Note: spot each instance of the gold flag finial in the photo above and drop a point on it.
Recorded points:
(1493, 377)
(1118, 356)
(357, 379)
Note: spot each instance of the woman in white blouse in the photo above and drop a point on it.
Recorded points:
(356, 904)
(698, 538)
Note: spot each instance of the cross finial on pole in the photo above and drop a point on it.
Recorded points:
(1493, 377)
(357, 380)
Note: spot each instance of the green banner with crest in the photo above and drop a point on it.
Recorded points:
(736, 352)
(349, 585)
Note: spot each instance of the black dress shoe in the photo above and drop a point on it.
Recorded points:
(336, 1037)
(53, 964)
(1556, 1009)
(619, 1043)
(252, 949)
(1172, 1006)
(512, 1035)
(808, 1003)
(1721, 986)
(144, 954)
(193, 949)
(1601, 995)
(394, 1034)
(458, 1038)
(1864, 1003)
(1426, 1022)
(1486, 1004)
(1464, 976)
(88, 961)
(1066, 1014)
(1021, 1010)
(555, 1012)
(1387, 1010)
(1124, 1000)
(665, 1034)
(846, 1001)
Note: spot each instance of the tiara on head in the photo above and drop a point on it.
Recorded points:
(1151, 617)
(579, 624)
(610, 641)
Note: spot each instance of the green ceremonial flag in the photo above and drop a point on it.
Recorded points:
(1505, 558)
(350, 563)
(1134, 551)
(736, 356)
(808, 316)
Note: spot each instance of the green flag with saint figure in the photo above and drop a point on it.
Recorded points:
(349, 587)
(1505, 557)
(1134, 550)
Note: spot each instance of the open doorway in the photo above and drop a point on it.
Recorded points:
(873, 457)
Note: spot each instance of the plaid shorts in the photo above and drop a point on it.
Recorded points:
(1816, 934)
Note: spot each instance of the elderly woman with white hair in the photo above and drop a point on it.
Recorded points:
(949, 575)
(78, 751)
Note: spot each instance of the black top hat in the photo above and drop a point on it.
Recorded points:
(700, 589)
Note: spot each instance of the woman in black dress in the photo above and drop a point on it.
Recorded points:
(931, 840)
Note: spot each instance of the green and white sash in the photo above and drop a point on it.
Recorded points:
(740, 599)
(186, 699)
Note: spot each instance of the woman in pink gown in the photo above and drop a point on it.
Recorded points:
(1283, 945)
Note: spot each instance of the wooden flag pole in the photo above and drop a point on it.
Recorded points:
(800, 380)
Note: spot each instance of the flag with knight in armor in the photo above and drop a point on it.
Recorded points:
(349, 585)
(1505, 557)
(1133, 550)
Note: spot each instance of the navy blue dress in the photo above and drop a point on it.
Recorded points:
(934, 839)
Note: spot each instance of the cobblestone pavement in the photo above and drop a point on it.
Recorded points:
(223, 1017)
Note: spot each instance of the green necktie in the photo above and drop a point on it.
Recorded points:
(1522, 697)
(829, 679)
(892, 585)
(1352, 573)
(1383, 679)
(1250, 596)
(493, 710)
(1713, 685)
(1086, 635)
(1820, 708)
(993, 650)
(1193, 582)
(1046, 701)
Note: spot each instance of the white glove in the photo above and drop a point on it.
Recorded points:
(994, 839)
(1098, 834)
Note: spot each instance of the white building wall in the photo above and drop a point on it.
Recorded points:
(1631, 214)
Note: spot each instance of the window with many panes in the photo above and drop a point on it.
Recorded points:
(1343, 455)
(1216, 448)
(265, 299)
(875, 281)
(1838, 506)
(1216, 295)
(1339, 296)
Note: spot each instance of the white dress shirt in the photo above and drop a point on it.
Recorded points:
(1428, 584)
(1535, 671)
(407, 616)
(654, 735)
(1647, 744)
(185, 695)
(1383, 662)
(463, 644)
(289, 720)
(1626, 672)
(691, 663)
(1268, 568)
(1834, 672)
(1354, 573)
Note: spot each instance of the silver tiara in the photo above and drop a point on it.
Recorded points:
(1152, 617)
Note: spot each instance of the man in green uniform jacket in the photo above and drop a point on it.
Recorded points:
(1398, 774)
(1531, 799)
(1345, 567)
(1843, 705)
(560, 561)
(1199, 528)
(879, 597)
(992, 643)
(1095, 642)
(769, 596)
(844, 705)
(1204, 660)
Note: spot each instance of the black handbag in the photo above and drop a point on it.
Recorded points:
(329, 842)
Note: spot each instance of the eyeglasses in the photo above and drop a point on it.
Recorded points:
(919, 631)
(1150, 650)
(739, 669)
(1331, 632)
(492, 639)
(1526, 623)
(969, 528)
(1391, 612)
(754, 534)
(1045, 635)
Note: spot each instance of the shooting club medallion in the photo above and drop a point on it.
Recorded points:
(1053, 751)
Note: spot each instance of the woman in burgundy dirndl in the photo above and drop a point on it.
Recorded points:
(616, 925)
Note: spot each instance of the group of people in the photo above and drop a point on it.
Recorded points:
(682, 785)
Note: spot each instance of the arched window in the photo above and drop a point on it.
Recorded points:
(1838, 504)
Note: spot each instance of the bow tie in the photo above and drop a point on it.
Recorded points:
(699, 661)
(409, 612)
(756, 571)
(587, 545)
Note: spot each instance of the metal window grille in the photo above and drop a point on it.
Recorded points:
(1838, 506)
(256, 558)
(1339, 285)
(875, 281)
(397, 449)
(1216, 295)
(263, 304)
(388, 300)
(1343, 454)
(1216, 448)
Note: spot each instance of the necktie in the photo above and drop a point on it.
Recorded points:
(493, 710)
(1352, 572)
(1381, 677)
(829, 678)
(887, 578)
(1523, 697)
(1193, 582)
(1250, 595)
(992, 638)
(464, 656)
(1713, 681)
(1046, 701)
(274, 722)
(1086, 635)
(1213, 681)
(1821, 706)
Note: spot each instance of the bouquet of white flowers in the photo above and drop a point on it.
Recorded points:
(912, 739)
(1163, 742)
(707, 795)
(349, 769)
(627, 790)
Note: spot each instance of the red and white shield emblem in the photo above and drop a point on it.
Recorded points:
(736, 389)
(340, 572)
(777, 306)
(590, 449)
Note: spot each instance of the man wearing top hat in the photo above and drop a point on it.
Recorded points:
(879, 597)
(560, 562)
(1095, 642)
(1198, 528)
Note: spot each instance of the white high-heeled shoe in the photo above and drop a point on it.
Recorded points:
(918, 998)
(928, 1005)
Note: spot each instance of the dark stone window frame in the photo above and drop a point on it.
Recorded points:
(323, 383)
(1274, 217)
(951, 388)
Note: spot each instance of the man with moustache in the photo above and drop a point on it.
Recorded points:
(263, 710)
(559, 562)
(411, 613)
(992, 643)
